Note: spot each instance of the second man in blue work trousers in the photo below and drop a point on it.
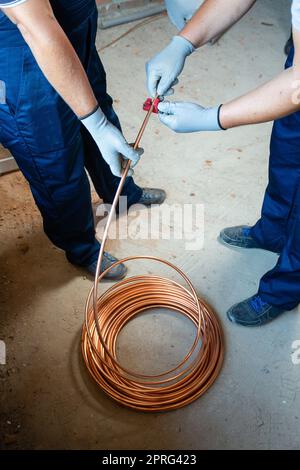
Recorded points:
(278, 229)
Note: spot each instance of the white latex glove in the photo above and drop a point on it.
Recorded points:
(111, 142)
(189, 117)
(162, 71)
(181, 11)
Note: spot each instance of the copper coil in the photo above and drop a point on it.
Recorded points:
(169, 390)
(108, 313)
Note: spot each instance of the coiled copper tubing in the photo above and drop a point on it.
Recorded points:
(107, 314)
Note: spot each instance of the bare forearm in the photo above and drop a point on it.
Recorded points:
(296, 39)
(213, 18)
(55, 55)
(271, 101)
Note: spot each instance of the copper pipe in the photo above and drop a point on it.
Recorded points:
(107, 314)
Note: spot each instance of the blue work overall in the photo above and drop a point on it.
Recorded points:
(47, 140)
(279, 227)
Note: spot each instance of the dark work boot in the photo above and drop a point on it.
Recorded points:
(253, 312)
(118, 272)
(152, 196)
(238, 236)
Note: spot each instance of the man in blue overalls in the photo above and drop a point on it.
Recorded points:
(57, 119)
(278, 229)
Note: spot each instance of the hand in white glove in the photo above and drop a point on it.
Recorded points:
(162, 71)
(111, 142)
(181, 11)
(189, 117)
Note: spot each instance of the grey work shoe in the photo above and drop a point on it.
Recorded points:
(116, 273)
(238, 236)
(253, 312)
(152, 196)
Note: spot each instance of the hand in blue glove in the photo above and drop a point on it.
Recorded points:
(111, 143)
(162, 71)
(189, 117)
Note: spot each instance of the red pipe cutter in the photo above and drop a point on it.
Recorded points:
(148, 103)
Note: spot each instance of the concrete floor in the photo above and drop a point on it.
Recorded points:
(47, 399)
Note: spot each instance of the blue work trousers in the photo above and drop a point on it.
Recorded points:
(50, 145)
(279, 226)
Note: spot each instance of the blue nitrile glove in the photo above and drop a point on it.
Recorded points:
(111, 142)
(181, 11)
(189, 117)
(162, 71)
